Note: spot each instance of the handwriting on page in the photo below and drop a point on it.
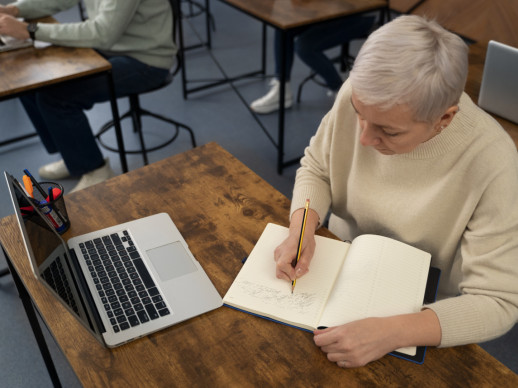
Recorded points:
(299, 302)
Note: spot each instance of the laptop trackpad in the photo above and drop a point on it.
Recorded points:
(171, 261)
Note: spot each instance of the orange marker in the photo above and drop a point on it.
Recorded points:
(28, 186)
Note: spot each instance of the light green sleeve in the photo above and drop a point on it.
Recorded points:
(32, 9)
(104, 27)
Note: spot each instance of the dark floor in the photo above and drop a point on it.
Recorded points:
(215, 115)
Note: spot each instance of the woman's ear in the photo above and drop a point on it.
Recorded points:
(447, 117)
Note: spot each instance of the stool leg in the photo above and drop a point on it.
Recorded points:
(136, 117)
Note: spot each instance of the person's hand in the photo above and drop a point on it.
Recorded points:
(9, 10)
(360, 342)
(285, 253)
(356, 343)
(11, 26)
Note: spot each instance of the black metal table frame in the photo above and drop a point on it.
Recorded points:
(30, 310)
(113, 105)
(285, 33)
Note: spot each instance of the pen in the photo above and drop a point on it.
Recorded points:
(301, 238)
(28, 186)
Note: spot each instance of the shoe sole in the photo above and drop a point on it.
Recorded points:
(44, 175)
(270, 108)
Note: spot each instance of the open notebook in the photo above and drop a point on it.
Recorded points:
(375, 276)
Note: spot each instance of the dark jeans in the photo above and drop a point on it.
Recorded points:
(312, 42)
(58, 115)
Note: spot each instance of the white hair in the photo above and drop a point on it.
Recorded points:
(412, 61)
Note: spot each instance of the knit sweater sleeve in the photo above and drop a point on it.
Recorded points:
(136, 28)
(32, 9)
(102, 29)
(487, 305)
(312, 178)
(318, 173)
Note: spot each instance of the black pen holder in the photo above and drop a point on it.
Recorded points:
(48, 197)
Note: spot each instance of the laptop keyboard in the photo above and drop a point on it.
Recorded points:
(56, 278)
(128, 292)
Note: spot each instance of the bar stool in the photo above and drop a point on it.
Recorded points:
(136, 112)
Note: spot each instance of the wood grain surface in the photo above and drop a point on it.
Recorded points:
(288, 14)
(479, 20)
(221, 207)
(30, 68)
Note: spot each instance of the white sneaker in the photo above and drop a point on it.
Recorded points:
(332, 94)
(96, 176)
(270, 102)
(55, 170)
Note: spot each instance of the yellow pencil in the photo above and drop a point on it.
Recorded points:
(301, 238)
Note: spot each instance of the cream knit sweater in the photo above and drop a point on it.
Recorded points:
(455, 196)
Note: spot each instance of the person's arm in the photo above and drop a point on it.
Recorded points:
(287, 251)
(101, 30)
(11, 26)
(360, 342)
(9, 9)
(33, 9)
(313, 181)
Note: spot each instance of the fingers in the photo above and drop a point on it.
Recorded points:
(284, 259)
(356, 343)
(326, 337)
(285, 254)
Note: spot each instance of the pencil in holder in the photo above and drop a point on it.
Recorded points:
(48, 197)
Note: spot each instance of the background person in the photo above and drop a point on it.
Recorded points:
(135, 37)
(310, 46)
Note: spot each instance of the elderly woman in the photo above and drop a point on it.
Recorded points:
(406, 154)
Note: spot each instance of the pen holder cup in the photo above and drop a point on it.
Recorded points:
(52, 205)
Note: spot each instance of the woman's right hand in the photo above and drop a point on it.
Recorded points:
(286, 252)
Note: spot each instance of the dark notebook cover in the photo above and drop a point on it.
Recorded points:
(430, 295)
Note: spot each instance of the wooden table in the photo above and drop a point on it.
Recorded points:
(28, 69)
(478, 20)
(221, 207)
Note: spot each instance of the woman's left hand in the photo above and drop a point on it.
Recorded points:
(360, 342)
(356, 343)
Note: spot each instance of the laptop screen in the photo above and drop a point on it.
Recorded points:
(49, 255)
(498, 90)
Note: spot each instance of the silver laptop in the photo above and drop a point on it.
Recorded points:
(8, 43)
(122, 282)
(499, 89)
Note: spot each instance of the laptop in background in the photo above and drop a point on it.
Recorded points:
(8, 43)
(499, 88)
(123, 282)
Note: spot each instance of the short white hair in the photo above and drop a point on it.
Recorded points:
(412, 61)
